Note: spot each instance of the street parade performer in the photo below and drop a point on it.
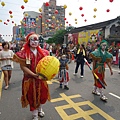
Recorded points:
(35, 91)
(100, 57)
(63, 72)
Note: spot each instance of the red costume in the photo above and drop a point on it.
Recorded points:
(34, 91)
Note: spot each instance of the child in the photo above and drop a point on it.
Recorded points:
(63, 72)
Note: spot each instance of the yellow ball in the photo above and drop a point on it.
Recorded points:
(48, 67)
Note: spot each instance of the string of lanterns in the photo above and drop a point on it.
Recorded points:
(53, 17)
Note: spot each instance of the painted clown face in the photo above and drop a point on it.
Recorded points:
(104, 46)
(34, 42)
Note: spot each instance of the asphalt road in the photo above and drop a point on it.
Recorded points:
(77, 103)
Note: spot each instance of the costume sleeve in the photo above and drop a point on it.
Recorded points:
(20, 57)
(109, 57)
(95, 56)
(45, 52)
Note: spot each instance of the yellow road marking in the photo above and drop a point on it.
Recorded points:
(1, 82)
(76, 106)
(53, 81)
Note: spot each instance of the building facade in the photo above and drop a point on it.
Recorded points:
(52, 18)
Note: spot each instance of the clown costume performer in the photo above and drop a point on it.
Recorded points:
(35, 91)
(100, 57)
(63, 72)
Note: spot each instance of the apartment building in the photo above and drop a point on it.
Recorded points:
(52, 18)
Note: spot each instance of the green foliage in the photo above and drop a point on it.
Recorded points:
(57, 38)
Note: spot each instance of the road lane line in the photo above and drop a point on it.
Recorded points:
(113, 69)
(1, 82)
(114, 95)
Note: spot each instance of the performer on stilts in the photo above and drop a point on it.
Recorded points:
(35, 91)
(99, 57)
(63, 72)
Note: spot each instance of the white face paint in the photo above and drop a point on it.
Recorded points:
(34, 42)
(103, 46)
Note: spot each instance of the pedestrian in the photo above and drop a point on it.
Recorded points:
(63, 72)
(35, 91)
(99, 57)
(6, 56)
(79, 59)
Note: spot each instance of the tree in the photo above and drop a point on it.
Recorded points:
(57, 38)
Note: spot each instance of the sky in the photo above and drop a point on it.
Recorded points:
(72, 6)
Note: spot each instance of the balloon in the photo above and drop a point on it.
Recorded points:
(0, 20)
(3, 4)
(85, 20)
(48, 67)
(75, 22)
(25, 1)
(65, 6)
(12, 21)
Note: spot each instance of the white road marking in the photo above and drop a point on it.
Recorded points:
(114, 95)
(112, 69)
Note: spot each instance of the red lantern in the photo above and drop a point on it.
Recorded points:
(107, 10)
(4, 22)
(80, 8)
(47, 21)
(67, 22)
(10, 12)
(47, 4)
(22, 7)
(111, 0)
(65, 19)
(32, 23)
(40, 16)
(82, 15)
(12, 21)
(85, 20)
(56, 11)
(8, 20)
(24, 18)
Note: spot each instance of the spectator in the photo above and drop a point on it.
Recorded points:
(6, 56)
